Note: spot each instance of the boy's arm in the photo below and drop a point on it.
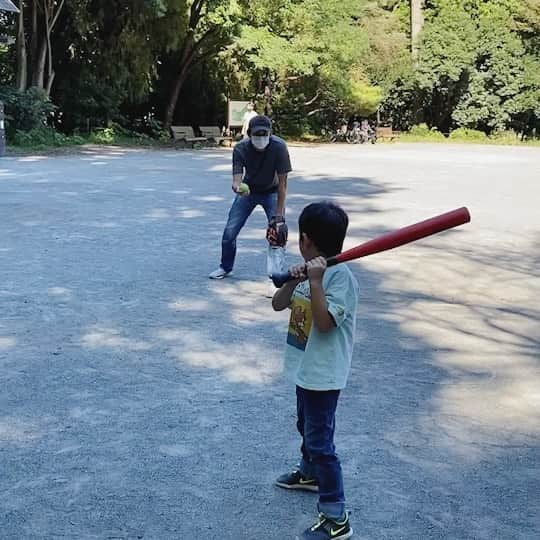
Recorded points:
(282, 298)
(324, 322)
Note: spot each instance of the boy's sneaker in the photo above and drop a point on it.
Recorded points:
(296, 480)
(328, 529)
(218, 274)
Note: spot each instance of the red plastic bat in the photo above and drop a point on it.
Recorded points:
(393, 239)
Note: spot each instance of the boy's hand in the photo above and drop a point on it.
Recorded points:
(315, 269)
(298, 272)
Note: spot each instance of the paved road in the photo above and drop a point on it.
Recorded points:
(141, 400)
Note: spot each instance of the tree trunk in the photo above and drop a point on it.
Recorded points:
(49, 49)
(188, 53)
(189, 49)
(33, 40)
(50, 80)
(417, 22)
(38, 67)
(42, 58)
(173, 98)
(22, 60)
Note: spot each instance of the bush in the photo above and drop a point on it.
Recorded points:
(44, 136)
(510, 137)
(25, 111)
(117, 133)
(149, 126)
(422, 131)
(103, 136)
(467, 134)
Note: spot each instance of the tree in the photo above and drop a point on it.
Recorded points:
(36, 25)
(209, 26)
(417, 22)
(476, 67)
(496, 76)
(109, 53)
(22, 66)
(310, 55)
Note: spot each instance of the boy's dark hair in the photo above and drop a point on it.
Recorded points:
(325, 223)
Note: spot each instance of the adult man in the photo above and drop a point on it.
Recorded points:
(262, 162)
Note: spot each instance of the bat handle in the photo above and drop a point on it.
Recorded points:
(280, 279)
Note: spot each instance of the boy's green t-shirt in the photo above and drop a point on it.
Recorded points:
(315, 360)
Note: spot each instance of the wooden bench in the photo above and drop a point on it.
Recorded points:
(184, 135)
(213, 133)
(387, 133)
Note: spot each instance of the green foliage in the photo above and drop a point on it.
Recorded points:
(7, 65)
(103, 136)
(466, 134)
(426, 133)
(497, 76)
(111, 52)
(25, 110)
(311, 55)
(152, 128)
(478, 68)
(388, 55)
(44, 137)
(118, 134)
(308, 63)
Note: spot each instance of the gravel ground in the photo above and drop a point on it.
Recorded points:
(142, 400)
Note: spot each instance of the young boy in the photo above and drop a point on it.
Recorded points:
(318, 358)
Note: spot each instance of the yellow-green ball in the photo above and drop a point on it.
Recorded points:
(243, 189)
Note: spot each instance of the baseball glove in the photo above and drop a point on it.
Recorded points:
(277, 231)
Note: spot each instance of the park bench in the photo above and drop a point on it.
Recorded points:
(184, 135)
(213, 133)
(387, 133)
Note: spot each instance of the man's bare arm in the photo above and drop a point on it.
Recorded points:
(236, 181)
(282, 194)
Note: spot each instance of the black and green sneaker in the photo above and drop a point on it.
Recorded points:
(328, 529)
(296, 480)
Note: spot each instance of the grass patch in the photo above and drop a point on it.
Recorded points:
(47, 139)
(496, 140)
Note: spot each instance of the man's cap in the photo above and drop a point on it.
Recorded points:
(260, 123)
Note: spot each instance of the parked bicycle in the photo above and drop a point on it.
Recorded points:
(361, 133)
(340, 135)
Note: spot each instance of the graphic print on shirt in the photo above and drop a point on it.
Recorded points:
(301, 318)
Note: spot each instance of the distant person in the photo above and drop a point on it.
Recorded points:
(248, 115)
(366, 131)
(261, 165)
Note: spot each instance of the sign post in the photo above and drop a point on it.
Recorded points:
(2, 131)
(237, 109)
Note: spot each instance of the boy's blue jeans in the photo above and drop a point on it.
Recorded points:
(241, 209)
(316, 423)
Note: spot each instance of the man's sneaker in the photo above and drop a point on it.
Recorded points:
(328, 529)
(296, 480)
(218, 274)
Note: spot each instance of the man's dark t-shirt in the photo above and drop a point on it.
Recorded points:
(261, 168)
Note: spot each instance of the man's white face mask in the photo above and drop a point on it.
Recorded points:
(260, 142)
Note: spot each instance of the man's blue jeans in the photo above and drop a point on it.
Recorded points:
(241, 209)
(316, 423)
